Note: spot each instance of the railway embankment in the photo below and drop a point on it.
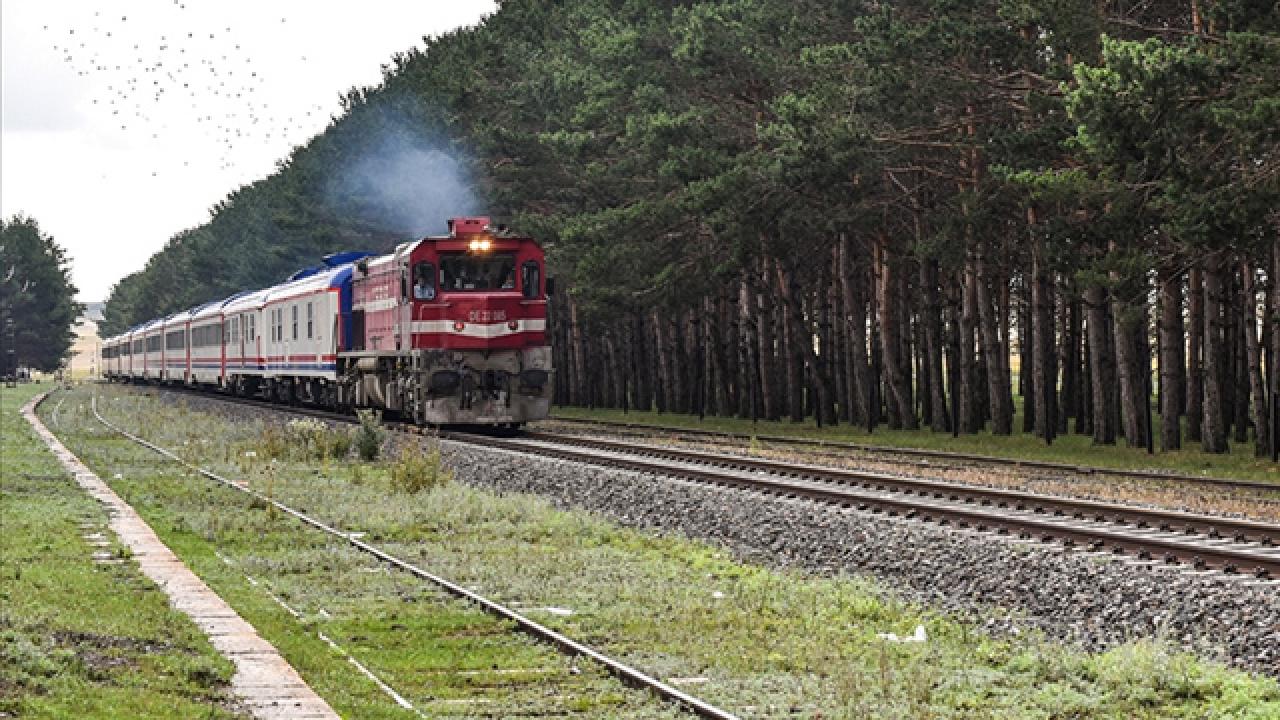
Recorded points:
(762, 606)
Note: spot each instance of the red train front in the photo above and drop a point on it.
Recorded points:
(452, 329)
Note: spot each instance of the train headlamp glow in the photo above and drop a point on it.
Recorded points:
(481, 245)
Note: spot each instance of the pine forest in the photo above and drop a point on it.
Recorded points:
(1004, 216)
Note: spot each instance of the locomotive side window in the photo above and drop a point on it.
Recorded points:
(310, 320)
(469, 273)
(530, 279)
(424, 281)
(295, 322)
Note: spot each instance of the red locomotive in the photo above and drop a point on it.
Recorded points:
(452, 329)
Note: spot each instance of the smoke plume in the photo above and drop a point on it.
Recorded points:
(404, 181)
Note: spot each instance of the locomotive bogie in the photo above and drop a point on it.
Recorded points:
(446, 387)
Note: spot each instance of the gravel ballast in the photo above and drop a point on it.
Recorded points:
(1092, 600)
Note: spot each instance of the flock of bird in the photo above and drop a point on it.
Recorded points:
(147, 78)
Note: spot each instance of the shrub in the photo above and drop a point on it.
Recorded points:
(369, 435)
(317, 440)
(273, 443)
(415, 469)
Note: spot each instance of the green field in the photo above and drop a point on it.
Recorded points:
(761, 642)
(79, 638)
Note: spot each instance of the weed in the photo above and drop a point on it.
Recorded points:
(369, 435)
(272, 444)
(415, 470)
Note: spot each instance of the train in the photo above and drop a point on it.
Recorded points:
(444, 330)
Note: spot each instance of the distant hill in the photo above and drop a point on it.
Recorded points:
(93, 311)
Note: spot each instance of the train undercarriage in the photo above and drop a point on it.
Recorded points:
(430, 387)
(450, 387)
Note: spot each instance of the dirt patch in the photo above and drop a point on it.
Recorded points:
(102, 655)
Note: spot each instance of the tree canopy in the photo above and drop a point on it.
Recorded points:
(37, 299)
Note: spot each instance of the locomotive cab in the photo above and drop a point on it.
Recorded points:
(452, 329)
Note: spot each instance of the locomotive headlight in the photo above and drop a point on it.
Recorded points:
(481, 245)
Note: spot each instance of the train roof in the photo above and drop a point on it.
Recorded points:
(207, 310)
(150, 325)
(321, 279)
(251, 300)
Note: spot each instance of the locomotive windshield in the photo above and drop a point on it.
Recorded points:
(469, 273)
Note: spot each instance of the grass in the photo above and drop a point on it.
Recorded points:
(1073, 449)
(767, 643)
(445, 656)
(77, 638)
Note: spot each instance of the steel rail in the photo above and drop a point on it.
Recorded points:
(1240, 530)
(1226, 559)
(937, 454)
(565, 644)
(1145, 546)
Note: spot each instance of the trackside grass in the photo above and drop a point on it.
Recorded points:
(447, 658)
(78, 638)
(1073, 449)
(760, 642)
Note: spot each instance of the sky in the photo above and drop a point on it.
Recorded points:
(125, 122)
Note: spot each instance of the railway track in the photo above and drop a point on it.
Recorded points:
(628, 674)
(1202, 542)
(713, 436)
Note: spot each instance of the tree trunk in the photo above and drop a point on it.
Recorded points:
(1172, 374)
(1273, 321)
(770, 403)
(1027, 350)
(1261, 419)
(994, 352)
(1044, 375)
(1102, 369)
(794, 366)
(897, 384)
(1069, 361)
(576, 391)
(801, 338)
(662, 355)
(1238, 379)
(939, 417)
(838, 357)
(855, 308)
(1195, 354)
(1133, 387)
(748, 365)
(970, 412)
(826, 356)
(1214, 439)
